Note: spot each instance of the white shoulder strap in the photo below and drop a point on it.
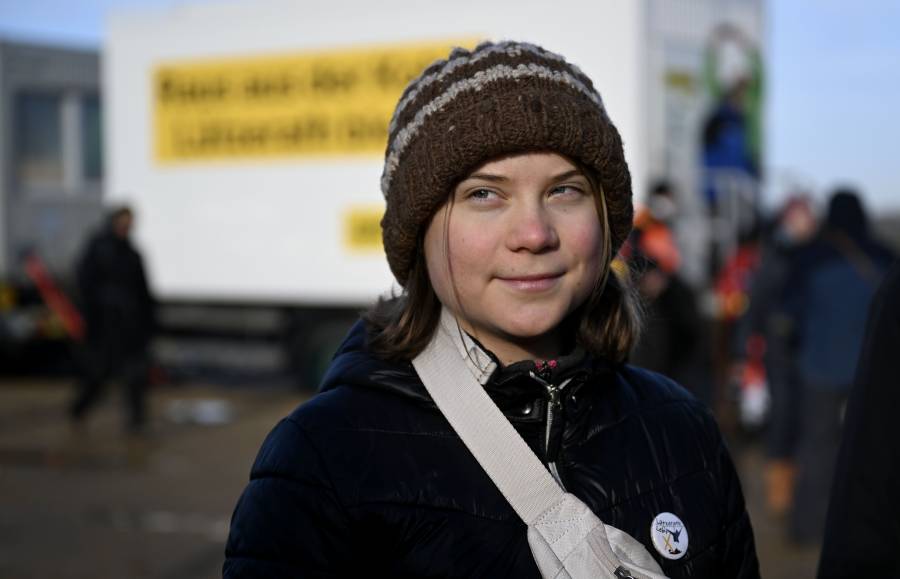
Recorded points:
(566, 538)
(489, 436)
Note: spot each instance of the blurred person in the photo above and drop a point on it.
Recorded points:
(828, 293)
(734, 77)
(735, 393)
(731, 138)
(725, 144)
(731, 285)
(862, 534)
(119, 314)
(766, 350)
(652, 235)
(505, 207)
(669, 343)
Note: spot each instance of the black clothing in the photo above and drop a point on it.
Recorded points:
(369, 479)
(115, 296)
(862, 534)
(118, 311)
(766, 317)
(816, 454)
(671, 335)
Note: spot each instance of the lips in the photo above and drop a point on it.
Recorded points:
(532, 282)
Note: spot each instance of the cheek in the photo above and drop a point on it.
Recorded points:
(585, 243)
(585, 240)
(470, 246)
(436, 258)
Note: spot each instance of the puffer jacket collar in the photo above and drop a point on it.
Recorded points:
(518, 389)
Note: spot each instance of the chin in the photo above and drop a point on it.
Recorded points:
(531, 326)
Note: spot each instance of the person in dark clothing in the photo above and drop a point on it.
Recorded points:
(831, 286)
(118, 311)
(671, 334)
(862, 534)
(507, 198)
(368, 479)
(765, 322)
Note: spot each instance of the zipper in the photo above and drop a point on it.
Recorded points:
(553, 404)
(554, 472)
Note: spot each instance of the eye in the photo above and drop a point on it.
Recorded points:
(567, 190)
(482, 194)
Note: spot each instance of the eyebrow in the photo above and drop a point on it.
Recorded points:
(487, 177)
(568, 175)
(501, 178)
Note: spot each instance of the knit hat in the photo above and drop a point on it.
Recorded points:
(497, 99)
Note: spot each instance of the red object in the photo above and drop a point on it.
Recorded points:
(732, 286)
(54, 297)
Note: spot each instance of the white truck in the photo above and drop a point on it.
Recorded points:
(249, 136)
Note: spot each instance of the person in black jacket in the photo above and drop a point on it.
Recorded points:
(119, 315)
(862, 533)
(507, 198)
(766, 323)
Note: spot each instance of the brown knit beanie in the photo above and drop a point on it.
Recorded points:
(497, 99)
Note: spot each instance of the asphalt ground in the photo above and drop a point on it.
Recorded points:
(95, 503)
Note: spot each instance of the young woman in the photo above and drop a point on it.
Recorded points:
(508, 197)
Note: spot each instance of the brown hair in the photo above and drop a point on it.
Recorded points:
(401, 326)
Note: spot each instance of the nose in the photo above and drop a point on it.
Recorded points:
(532, 229)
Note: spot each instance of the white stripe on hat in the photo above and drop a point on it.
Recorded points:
(511, 48)
(476, 82)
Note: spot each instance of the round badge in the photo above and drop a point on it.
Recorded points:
(670, 536)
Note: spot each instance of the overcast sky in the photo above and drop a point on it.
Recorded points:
(833, 84)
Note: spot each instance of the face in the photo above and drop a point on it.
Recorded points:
(122, 225)
(799, 223)
(517, 250)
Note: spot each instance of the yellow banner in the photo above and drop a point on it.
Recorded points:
(362, 228)
(329, 103)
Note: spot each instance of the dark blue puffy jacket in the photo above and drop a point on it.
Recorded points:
(368, 479)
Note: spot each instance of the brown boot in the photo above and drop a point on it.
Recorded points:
(779, 479)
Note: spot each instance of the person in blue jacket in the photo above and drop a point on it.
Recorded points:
(827, 295)
(508, 197)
